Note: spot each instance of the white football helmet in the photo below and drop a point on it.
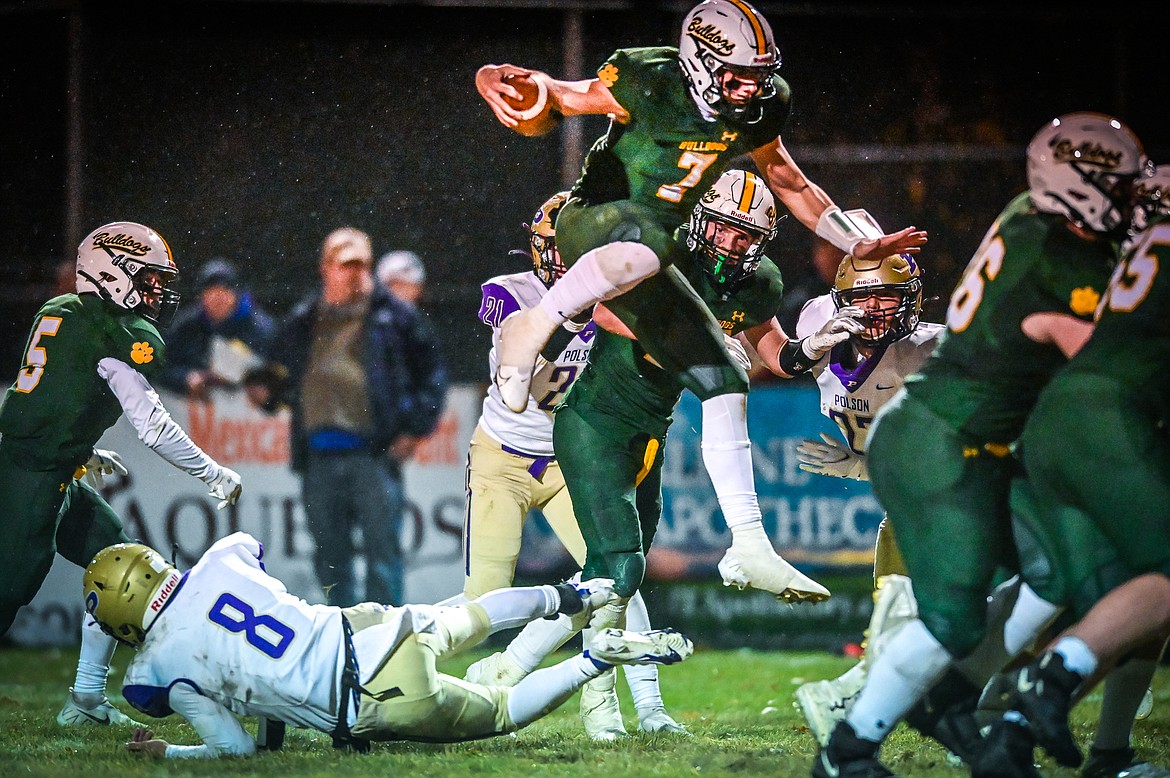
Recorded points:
(125, 588)
(720, 35)
(740, 199)
(1083, 166)
(112, 262)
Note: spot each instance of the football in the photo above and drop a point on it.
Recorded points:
(536, 115)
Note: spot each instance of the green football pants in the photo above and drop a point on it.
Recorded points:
(46, 513)
(1097, 489)
(666, 315)
(948, 497)
(614, 476)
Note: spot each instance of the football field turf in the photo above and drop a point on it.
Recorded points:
(737, 705)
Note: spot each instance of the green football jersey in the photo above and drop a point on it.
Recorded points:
(1131, 342)
(985, 374)
(618, 379)
(59, 406)
(668, 153)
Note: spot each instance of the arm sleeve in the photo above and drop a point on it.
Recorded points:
(155, 427)
(221, 731)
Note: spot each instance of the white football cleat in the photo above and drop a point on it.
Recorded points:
(103, 714)
(600, 712)
(658, 721)
(522, 336)
(595, 594)
(893, 605)
(824, 703)
(758, 566)
(496, 669)
(652, 647)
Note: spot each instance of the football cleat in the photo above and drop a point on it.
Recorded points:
(593, 595)
(1007, 752)
(600, 712)
(893, 605)
(658, 721)
(848, 756)
(103, 714)
(653, 647)
(947, 713)
(522, 336)
(824, 703)
(1147, 705)
(496, 669)
(1043, 693)
(758, 566)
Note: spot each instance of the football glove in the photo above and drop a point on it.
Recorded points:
(226, 486)
(738, 353)
(832, 457)
(844, 323)
(101, 464)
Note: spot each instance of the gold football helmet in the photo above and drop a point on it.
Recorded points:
(126, 586)
(889, 290)
(542, 239)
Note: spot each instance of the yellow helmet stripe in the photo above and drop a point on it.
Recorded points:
(757, 28)
(749, 193)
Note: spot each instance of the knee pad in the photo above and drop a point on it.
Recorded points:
(707, 381)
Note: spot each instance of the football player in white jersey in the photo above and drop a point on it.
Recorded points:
(855, 379)
(511, 469)
(225, 639)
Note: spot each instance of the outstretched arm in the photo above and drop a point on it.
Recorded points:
(221, 731)
(817, 211)
(568, 98)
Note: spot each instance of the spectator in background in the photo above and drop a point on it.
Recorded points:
(214, 343)
(402, 272)
(366, 384)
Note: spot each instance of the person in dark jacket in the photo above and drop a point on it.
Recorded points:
(214, 343)
(365, 381)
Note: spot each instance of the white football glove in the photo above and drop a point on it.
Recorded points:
(101, 464)
(738, 353)
(844, 323)
(226, 485)
(833, 457)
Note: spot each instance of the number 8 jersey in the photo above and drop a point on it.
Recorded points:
(234, 634)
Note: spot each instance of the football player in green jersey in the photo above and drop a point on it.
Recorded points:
(1021, 309)
(1094, 496)
(89, 359)
(681, 116)
(609, 432)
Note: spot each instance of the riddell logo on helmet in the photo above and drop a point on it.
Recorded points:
(867, 282)
(710, 35)
(164, 593)
(1064, 150)
(121, 242)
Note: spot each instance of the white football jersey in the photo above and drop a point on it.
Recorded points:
(531, 431)
(852, 397)
(236, 635)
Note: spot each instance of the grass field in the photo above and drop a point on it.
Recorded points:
(737, 704)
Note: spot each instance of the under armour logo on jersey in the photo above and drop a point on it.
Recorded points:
(729, 136)
(142, 353)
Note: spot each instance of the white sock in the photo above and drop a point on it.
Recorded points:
(727, 455)
(910, 662)
(93, 665)
(1009, 632)
(599, 275)
(517, 605)
(544, 690)
(642, 679)
(1077, 655)
(539, 639)
(1125, 686)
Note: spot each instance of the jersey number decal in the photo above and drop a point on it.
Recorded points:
(235, 615)
(28, 378)
(697, 164)
(851, 426)
(1133, 278)
(969, 293)
(566, 373)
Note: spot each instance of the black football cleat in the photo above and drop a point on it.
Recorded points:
(1007, 752)
(848, 756)
(1043, 692)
